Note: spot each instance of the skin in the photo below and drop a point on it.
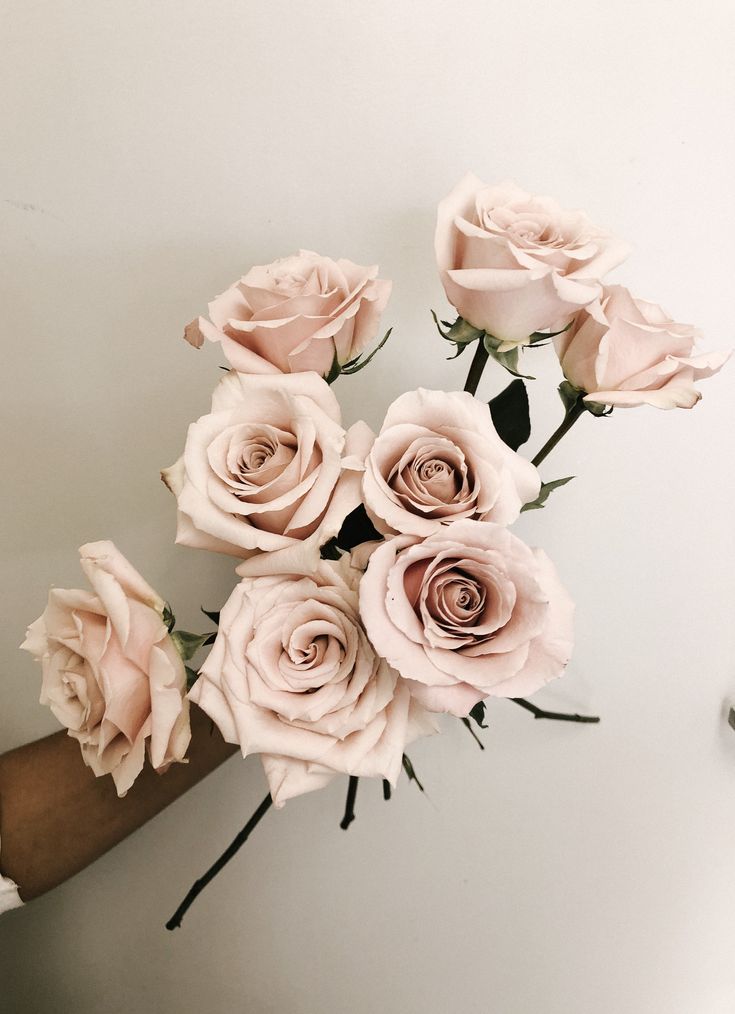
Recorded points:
(56, 817)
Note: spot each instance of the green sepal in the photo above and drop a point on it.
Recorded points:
(334, 370)
(468, 726)
(570, 395)
(546, 489)
(539, 336)
(508, 360)
(168, 617)
(408, 768)
(357, 364)
(510, 414)
(191, 676)
(597, 408)
(188, 644)
(213, 616)
(461, 332)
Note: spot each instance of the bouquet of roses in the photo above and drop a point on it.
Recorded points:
(379, 584)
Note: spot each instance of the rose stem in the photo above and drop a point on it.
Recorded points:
(466, 722)
(350, 804)
(478, 365)
(559, 716)
(199, 885)
(573, 413)
(386, 789)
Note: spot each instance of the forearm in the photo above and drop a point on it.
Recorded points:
(56, 817)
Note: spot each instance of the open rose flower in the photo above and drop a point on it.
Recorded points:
(270, 467)
(293, 676)
(438, 458)
(111, 673)
(303, 312)
(512, 264)
(468, 613)
(624, 351)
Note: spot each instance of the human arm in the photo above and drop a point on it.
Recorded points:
(56, 817)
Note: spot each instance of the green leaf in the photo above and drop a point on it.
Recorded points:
(356, 529)
(509, 411)
(330, 550)
(546, 488)
(355, 365)
(188, 644)
(478, 714)
(213, 616)
(191, 676)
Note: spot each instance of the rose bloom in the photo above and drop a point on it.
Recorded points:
(111, 673)
(270, 467)
(512, 264)
(624, 351)
(467, 613)
(438, 458)
(303, 312)
(293, 676)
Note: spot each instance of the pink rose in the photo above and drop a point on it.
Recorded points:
(304, 312)
(292, 676)
(468, 613)
(438, 458)
(269, 469)
(512, 264)
(625, 351)
(111, 673)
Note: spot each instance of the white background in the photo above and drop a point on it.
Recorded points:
(152, 152)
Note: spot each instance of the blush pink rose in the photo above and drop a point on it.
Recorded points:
(303, 312)
(111, 673)
(624, 352)
(438, 458)
(292, 676)
(269, 469)
(512, 264)
(468, 613)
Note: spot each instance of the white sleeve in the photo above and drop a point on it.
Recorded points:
(9, 897)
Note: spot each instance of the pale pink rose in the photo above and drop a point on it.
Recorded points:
(438, 458)
(292, 676)
(468, 613)
(111, 673)
(269, 469)
(624, 351)
(303, 312)
(512, 264)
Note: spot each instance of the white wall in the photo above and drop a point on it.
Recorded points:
(151, 152)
